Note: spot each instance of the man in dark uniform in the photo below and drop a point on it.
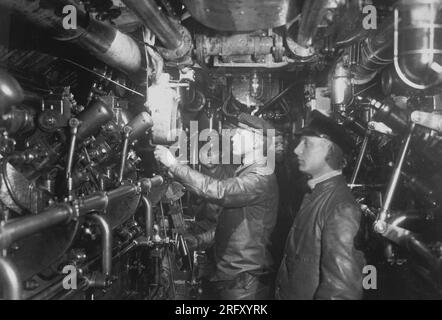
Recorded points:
(321, 259)
(249, 199)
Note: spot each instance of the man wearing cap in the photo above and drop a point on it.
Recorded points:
(249, 199)
(321, 257)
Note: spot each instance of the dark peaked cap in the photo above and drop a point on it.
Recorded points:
(325, 127)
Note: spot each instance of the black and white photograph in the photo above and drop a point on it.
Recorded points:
(220, 155)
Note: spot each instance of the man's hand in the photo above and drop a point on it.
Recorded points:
(163, 155)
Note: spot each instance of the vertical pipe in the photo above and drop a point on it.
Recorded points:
(11, 283)
(106, 243)
(148, 217)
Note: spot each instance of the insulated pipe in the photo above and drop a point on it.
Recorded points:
(10, 283)
(101, 40)
(157, 22)
(106, 243)
(376, 53)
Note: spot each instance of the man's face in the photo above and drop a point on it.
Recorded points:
(243, 142)
(311, 153)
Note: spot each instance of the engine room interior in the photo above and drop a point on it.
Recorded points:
(90, 89)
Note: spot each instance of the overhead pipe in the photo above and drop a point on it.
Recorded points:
(311, 16)
(10, 283)
(376, 53)
(417, 42)
(167, 32)
(101, 40)
(175, 39)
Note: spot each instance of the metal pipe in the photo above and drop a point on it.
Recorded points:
(22, 227)
(311, 15)
(376, 53)
(106, 243)
(341, 85)
(127, 131)
(406, 217)
(147, 184)
(407, 239)
(237, 44)
(148, 217)
(102, 40)
(93, 117)
(421, 249)
(10, 92)
(417, 42)
(61, 213)
(73, 123)
(139, 126)
(122, 192)
(11, 284)
(361, 156)
(381, 225)
(157, 22)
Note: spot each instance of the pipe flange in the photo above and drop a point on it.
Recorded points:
(183, 50)
(278, 49)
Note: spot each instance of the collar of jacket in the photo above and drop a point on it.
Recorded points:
(312, 183)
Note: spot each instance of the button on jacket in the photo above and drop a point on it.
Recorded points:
(250, 204)
(321, 259)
